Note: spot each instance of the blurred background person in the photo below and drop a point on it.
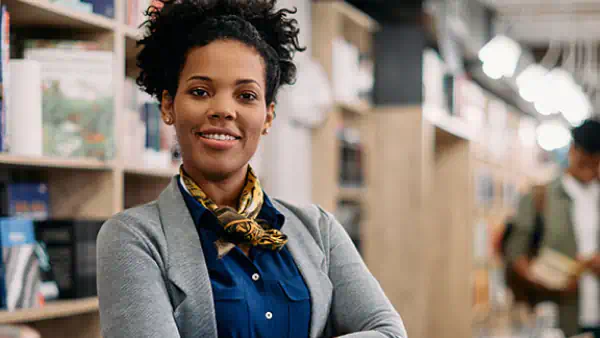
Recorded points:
(570, 206)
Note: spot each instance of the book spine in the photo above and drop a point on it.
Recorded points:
(28, 200)
(2, 280)
(5, 57)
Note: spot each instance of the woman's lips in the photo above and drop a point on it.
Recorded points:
(217, 141)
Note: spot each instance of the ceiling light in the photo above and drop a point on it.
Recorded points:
(491, 71)
(530, 82)
(552, 135)
(500, 56)
(544, 108)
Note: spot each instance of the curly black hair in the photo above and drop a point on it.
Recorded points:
(587, 136)
(175, 26)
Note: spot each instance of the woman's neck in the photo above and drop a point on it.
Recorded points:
(223, 191)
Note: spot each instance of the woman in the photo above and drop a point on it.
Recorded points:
(214, 256)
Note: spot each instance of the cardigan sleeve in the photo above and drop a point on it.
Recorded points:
(360, 309)
(134, 301)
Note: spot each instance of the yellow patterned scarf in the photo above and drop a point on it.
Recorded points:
(241, 225)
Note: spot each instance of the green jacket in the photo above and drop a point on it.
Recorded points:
(559, 235)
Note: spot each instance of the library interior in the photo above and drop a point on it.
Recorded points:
(421, 126)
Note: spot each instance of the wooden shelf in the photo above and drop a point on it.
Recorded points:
(42, 13)
(51, 162)
(356, 16)
(448, 124)
(149, 172)
(130, 32)
(356, 194)
(51, 310)
(358, 108)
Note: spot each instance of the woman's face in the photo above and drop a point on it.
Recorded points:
(219, 111)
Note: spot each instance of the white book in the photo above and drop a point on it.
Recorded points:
(554, 269)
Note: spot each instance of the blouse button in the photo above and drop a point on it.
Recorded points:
(269, 315)
(255, 277)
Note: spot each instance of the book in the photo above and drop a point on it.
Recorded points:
(554, 269)
(102, 7)
(2, 282)
(71, 248)
(78, 97)
(22, 274)
(24, 200)
(4, 77)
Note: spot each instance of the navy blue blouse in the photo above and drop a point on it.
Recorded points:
(257, 296)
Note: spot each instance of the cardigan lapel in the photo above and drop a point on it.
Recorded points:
(310, 260)
(186, 266)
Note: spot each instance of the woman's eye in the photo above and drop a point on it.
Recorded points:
(199, 92)
(248, 96)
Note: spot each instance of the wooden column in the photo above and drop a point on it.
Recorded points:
(418, 221)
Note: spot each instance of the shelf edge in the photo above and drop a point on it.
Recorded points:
(60, 309)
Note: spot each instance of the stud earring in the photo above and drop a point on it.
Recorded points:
(266, 132)
(168, 119)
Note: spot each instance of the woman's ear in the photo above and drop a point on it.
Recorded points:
(269, 119)
(166, 108)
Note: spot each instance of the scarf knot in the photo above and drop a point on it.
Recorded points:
(240, 226)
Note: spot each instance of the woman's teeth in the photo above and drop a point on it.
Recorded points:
(220, 137)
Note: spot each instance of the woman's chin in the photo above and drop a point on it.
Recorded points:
(218, 171)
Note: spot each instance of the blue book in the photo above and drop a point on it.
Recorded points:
(16, 232)
(21, 266)
(2, 282)
(26, 200)
(102, 7)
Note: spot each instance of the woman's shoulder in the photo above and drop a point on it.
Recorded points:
(310, 216)
(140, 223)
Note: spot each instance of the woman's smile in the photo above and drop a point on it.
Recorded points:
(217, 140)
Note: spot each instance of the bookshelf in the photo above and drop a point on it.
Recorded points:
(334, 20)
(51, 162)
(85, 188)
(152, 173)
(58, 309)
(42, 13)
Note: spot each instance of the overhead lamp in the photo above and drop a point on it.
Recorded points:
(567, 96)
(552, 135)
(530, 81)
(579, 108)
(492, 72)
(500, 57)
(544, 108)
(554, 91)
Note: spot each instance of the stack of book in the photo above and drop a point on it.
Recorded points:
(77, 98)
(20, 281)
(101, 7)
(554, 270)
(148, 141)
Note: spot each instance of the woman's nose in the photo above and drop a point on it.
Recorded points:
(222, 109)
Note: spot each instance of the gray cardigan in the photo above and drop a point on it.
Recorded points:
(153, 280)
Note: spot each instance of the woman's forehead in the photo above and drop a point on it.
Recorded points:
(225, 60)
